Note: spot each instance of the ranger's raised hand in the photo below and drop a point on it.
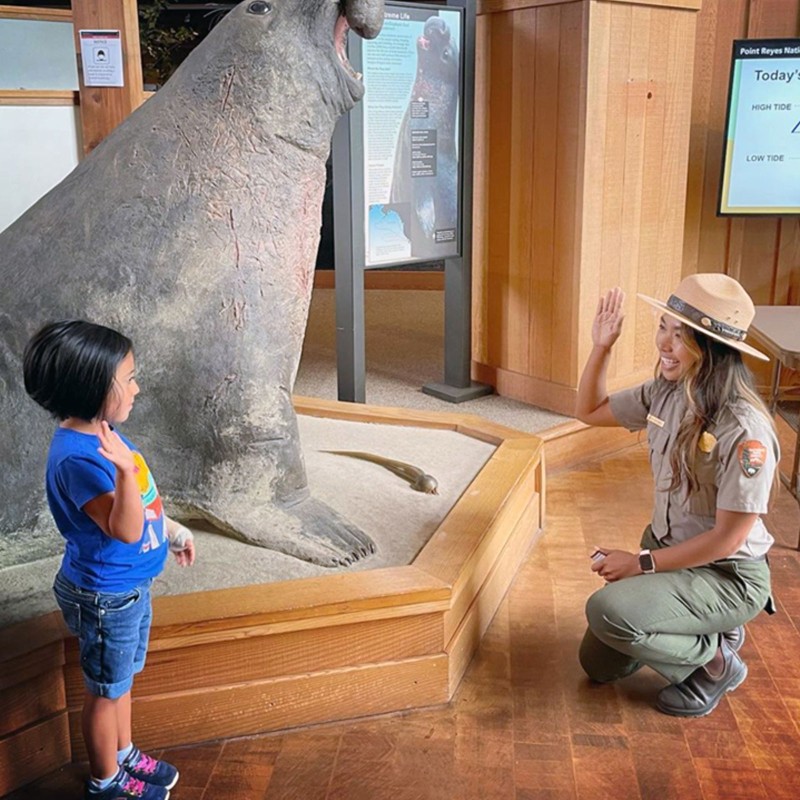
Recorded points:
(607, 324)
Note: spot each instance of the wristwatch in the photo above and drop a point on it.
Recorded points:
(646, 562)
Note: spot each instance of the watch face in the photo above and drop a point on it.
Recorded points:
(646, 562)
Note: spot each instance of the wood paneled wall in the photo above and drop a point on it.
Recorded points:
(762, 253)
(582, 132)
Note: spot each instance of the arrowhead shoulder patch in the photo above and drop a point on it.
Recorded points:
(752, 456)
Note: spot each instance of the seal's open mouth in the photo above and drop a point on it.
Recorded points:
(340, 40)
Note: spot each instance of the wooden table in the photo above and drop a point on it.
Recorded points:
(776, 329)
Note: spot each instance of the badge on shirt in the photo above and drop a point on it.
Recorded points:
(706, 442)
(752, 456)
(655, 420)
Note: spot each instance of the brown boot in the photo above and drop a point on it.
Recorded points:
(700, 693)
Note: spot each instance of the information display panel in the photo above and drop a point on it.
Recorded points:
(412, 106)
(761, 157)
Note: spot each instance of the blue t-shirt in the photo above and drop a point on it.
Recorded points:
(77, 473)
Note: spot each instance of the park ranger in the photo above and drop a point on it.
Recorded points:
(679, 604)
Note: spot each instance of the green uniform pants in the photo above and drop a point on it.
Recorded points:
(669, 621)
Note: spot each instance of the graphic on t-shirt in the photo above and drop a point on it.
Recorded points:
(151, 500)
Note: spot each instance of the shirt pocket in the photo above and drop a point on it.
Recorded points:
(658, 441)
(703, 501)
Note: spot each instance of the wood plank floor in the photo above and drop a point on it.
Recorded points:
(525, 724)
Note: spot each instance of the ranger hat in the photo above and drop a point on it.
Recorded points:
(715, 304)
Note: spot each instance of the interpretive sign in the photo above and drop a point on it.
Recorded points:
(761, 161)
(412, 106)
(402, 179)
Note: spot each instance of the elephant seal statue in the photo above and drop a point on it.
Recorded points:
(193, 228)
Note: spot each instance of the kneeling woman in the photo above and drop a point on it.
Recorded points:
(679, 604)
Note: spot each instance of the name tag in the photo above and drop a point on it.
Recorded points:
(655, 420)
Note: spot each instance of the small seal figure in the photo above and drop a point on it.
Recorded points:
(429, 204)
(193, 228)
(418, 480)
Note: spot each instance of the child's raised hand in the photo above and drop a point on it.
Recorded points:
(607, 324)
(114, 449)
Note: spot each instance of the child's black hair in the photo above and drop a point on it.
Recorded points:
(69, 367)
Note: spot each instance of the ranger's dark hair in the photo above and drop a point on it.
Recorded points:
(69, 367)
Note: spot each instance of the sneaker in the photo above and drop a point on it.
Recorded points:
(126, 787)
(150, 770)
(734, 638)
(700, 693)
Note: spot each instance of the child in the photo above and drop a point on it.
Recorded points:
(106, 505)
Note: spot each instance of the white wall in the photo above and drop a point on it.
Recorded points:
(39, 146)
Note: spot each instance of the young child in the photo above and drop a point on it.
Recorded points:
(106, 505)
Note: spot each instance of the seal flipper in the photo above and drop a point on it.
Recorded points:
(309, 530)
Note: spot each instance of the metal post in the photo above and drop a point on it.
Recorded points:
(349, 273)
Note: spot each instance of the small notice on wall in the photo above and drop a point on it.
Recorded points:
(101, 54)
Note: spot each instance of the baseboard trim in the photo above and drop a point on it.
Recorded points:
(572, 443)
(527, 389)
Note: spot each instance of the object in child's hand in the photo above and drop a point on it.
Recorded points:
(598, 555)
(178, 536)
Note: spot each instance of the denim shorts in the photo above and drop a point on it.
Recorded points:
(113, 630)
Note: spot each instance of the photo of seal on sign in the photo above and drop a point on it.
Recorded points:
(752, 455)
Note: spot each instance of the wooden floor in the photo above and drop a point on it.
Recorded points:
(525, 723)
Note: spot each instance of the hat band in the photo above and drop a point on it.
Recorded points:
(704, 321)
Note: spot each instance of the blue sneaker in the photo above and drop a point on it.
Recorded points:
(126, 787)
(150, 770)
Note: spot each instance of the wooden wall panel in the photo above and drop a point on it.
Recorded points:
(475, 620)
(527, 153)
(253, 657)
(257, 706)
(570, 139)
(33, 752)
(635, 177)
(32, 701)
(480, 196)
(539, 261)
(43, 14)
(516, 345)
(593, 162)
(581, 183)
(498, 274)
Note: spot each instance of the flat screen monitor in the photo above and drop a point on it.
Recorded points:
(761, 154)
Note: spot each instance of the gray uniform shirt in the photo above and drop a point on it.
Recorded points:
(735, 465)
